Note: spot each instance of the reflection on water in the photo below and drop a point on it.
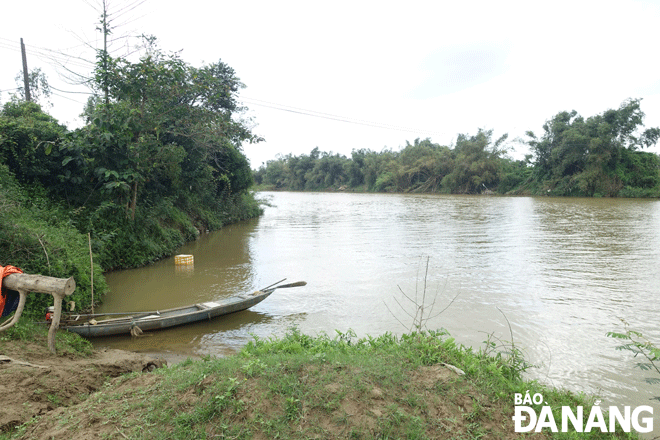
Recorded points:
(217, 337)
(222, 267)
(562, 270)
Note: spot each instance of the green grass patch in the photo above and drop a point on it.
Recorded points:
(300, 386)
(66, 343)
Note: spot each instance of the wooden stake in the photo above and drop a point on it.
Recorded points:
(55, 323)
(91, 259)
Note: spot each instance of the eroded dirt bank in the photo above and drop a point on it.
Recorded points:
(34, 381)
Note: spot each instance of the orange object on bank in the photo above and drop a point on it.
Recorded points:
(4, 271)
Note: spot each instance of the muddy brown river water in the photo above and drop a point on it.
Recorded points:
(563, 271)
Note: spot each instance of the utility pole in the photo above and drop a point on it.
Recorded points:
(26, 80)
(106, 31)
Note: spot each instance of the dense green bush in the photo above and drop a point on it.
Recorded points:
(29, 142)
(38, 238)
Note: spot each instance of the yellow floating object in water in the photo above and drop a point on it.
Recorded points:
(183, 259)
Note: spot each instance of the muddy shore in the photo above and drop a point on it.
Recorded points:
(33, 381)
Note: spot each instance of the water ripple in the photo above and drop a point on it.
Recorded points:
(563, 271)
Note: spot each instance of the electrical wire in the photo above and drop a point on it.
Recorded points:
(57, 57)
(313, 113)
(62, 60)
(68, 91)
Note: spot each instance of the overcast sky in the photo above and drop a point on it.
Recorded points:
(396, 70)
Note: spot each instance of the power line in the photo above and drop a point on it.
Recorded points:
(329, 116)
(57, 57)
(67, 91)
(61, 59)
(11, 44)
(68, 98)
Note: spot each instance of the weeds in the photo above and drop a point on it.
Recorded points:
(292, 408)
(507, 351)
(638, 344)
(253, 367)
(66, 342)
(422, 306)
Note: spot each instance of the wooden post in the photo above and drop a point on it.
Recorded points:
(55, 322)
(24, 283)
(91, 262)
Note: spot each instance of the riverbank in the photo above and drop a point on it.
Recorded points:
(416, 386)
(71, 210)
(42, 235)
(34, 382)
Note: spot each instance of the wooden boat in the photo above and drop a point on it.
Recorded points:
(146, 321)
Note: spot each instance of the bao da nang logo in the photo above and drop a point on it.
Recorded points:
(527, 418)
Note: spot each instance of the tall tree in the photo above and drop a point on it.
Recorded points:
(166, 123)
(476, 163)
(575, 156)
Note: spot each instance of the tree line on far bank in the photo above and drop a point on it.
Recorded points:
(600, 156)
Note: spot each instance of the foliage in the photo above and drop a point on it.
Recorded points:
(29, 142)
(167, 131)
(37, 237)
(638, 344)
(159, 159)
(476, 164)
(38, 85)
(473, 166)
(597, 156)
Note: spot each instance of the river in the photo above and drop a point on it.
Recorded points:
(561, 271)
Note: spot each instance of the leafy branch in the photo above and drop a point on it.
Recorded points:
(639, 344)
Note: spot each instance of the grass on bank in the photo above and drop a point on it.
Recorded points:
(66, 343)
(300, 386)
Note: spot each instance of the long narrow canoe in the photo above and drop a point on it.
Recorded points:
(167, 318)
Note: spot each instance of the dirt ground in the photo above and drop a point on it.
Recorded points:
(34, 381)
